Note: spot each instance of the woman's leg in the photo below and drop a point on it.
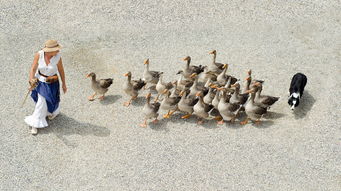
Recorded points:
(38, 118)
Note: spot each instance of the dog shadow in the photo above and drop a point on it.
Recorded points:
(63, 126)
(110, 99)
(306, 103)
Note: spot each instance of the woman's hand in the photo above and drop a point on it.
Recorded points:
(64, 88)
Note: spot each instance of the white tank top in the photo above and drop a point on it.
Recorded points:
(47, 70)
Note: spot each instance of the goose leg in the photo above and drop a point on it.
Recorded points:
(101, 98)
(157, 98)
(144, 124)
(257, 122)
(129, 102)
(186, 116)
(171, 113)
(166, 115)
(155, 121)
(92, 98)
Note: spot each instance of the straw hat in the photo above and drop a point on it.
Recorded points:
(51, 46)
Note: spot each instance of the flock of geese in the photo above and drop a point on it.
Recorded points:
(207, 92)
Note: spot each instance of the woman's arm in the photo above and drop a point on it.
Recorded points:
(34, 67)
(62, 74)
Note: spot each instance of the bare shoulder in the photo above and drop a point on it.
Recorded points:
(36, 55)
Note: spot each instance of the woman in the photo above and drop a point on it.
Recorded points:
(47, 62)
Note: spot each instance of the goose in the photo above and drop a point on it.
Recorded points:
(169, 103)
(253, 110)
(201, 109)
(190, 69)
(264, 100)
(132, 88)
(236, 97)
(150, 111)
(223, 77)
(151, 77)
(186, 104)
(215, 67)
(227, 110)
(161, 86)
(99, 86)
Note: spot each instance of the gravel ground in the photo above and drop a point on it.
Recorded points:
(99, 145)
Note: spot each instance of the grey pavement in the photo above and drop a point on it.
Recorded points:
(100, 146)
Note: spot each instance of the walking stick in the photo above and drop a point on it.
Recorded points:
(32, 86)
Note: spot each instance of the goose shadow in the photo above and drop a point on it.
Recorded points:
(139, 101)
(110, 99)
(159, 126)
(63, 126)
(176, 119)
(273, 115)
(263, 124)
(306, 103)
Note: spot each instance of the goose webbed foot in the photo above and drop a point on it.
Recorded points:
(155, 121)
(186, 116)
(92, 97)
(144, 124)
(101, 98)
(221, 122)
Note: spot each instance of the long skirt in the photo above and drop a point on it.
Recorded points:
(47, 98)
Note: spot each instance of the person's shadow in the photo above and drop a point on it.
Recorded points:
(306, 103)
(63, 126)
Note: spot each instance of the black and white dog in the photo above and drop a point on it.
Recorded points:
(296, 89)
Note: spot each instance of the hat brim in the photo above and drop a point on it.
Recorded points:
(46, 49)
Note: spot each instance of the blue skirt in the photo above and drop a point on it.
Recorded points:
(50, 91)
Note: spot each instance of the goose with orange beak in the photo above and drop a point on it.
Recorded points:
(150, 77)
(214, 66)
(236, 97)
(253, 110)
(223, 77)
(264, 100)
(201, 109)
(191, 69)
(150, 111)
(170, 104)
(227, 110)
(161, 85)
(186, 104)
(132, 88)
(99, 86)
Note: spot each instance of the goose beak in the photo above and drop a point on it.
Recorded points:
(212, 52)
(146, 61)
